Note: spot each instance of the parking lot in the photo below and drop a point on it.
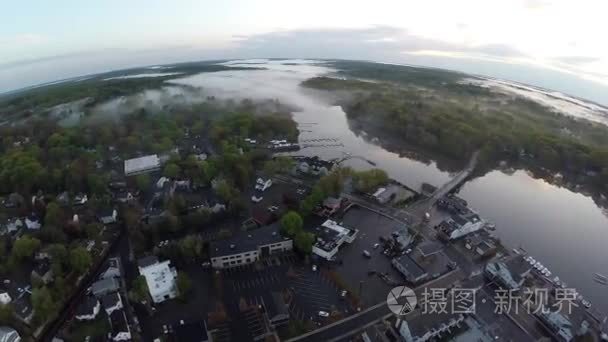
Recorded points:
(355, 268)
(311, 290)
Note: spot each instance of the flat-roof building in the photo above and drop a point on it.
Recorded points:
(141, 165)
(160, 277)
(330, 236)
(460, 225)
(246, 247)
(510, 274)
(410, 269)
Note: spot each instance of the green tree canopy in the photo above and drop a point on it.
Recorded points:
(80, 259)
(291, 223)
(25, 247)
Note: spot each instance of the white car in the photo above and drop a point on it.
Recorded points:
(323, 314)
(314, 268)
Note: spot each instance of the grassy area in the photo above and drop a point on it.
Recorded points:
(97, 328)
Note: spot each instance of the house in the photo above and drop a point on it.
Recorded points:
(104, 286)
(111, 269)
(32, 222)
(429, 248)
(5, 298)
(410, 269)
(43, 271)
(14, 200)
(108, 216)
(11, 225)
(460, 225)
(437, 326)
(80, 199)
(120, 326)
(510, 274)
(111, 302)
(23, 306)
(160, 184)
(314, 166)
(123, 196)
(246, 247)
(160, 277)
(330, 237)
(8, 334)
(141, 165)
(191, 332)
(88, 309)
(262, 184)
(485, 248)
(63, 198)
(558, 324)
(277, 311)
(330, 206)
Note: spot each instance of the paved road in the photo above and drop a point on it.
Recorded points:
(372, 314)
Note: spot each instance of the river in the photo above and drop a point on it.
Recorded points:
(564, 230)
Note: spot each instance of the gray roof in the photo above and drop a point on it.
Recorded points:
(110, 300)
(518, 266)
(147, 261)
(8, 334)
(141, 164)
(87, 306)
(245, 241)
(429, 248)
(104, 286)
(411, 266)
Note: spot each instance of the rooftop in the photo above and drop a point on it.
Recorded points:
(191, 332)
(245, 241)
(87, 306)
(429, 248)
(411, 266)
(330, 233)
(142, 164)
(119, 322)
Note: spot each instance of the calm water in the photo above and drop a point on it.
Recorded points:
(566, 231)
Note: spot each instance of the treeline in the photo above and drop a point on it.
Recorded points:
(455, 124)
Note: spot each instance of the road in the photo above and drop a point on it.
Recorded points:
(419, 208)
(354, 323)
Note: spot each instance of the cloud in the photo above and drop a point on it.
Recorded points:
(576, 59)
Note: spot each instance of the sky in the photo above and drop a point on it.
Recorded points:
(554, 44)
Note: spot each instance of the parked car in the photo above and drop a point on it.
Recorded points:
(314, 268)
(343, 293)
(323, 314)
(206, 264)
(376, 245)
(366, 254)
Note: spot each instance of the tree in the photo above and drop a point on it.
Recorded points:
(54, 215)
(93, 229)
(366, 181)
(80, 259)
(139, 289)
(226, 191)
(143, 182)
(43, 303)
(184, 284)
(304, 241)
(6, 313)
(278, 165)
(291, 223)
(171, 170)
(191, 247)
(25, 247)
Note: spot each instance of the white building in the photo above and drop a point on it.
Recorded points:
(460, 225)
(248, 246)
(263, 184)
(8, 334)
(160, 277)
(331, 237)
(5, 298)
(141, 165)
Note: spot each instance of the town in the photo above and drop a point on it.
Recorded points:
(227, 234)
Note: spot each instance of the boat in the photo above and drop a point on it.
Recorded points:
(600, 276)
(492, 226)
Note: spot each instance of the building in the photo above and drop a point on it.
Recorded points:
(409, 268)
(108, 216)
(32, 222)
(80, 199)
(314, 166)
(385, 194)
(42, 270)
(111, 302)
(120, 326)
(429, 248)
(330, 237)
(160, 277)
(460, 225)
(434, 327)
(5, 298)
(88, 309)
(558, 324)
(141, 165)
(263, 183)
(11, 225)
(104, 286)
(248, 246)
(277, 310)
(330, 206)
(8, 334)
(510, 274)
(111, 269)
(191, 332)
